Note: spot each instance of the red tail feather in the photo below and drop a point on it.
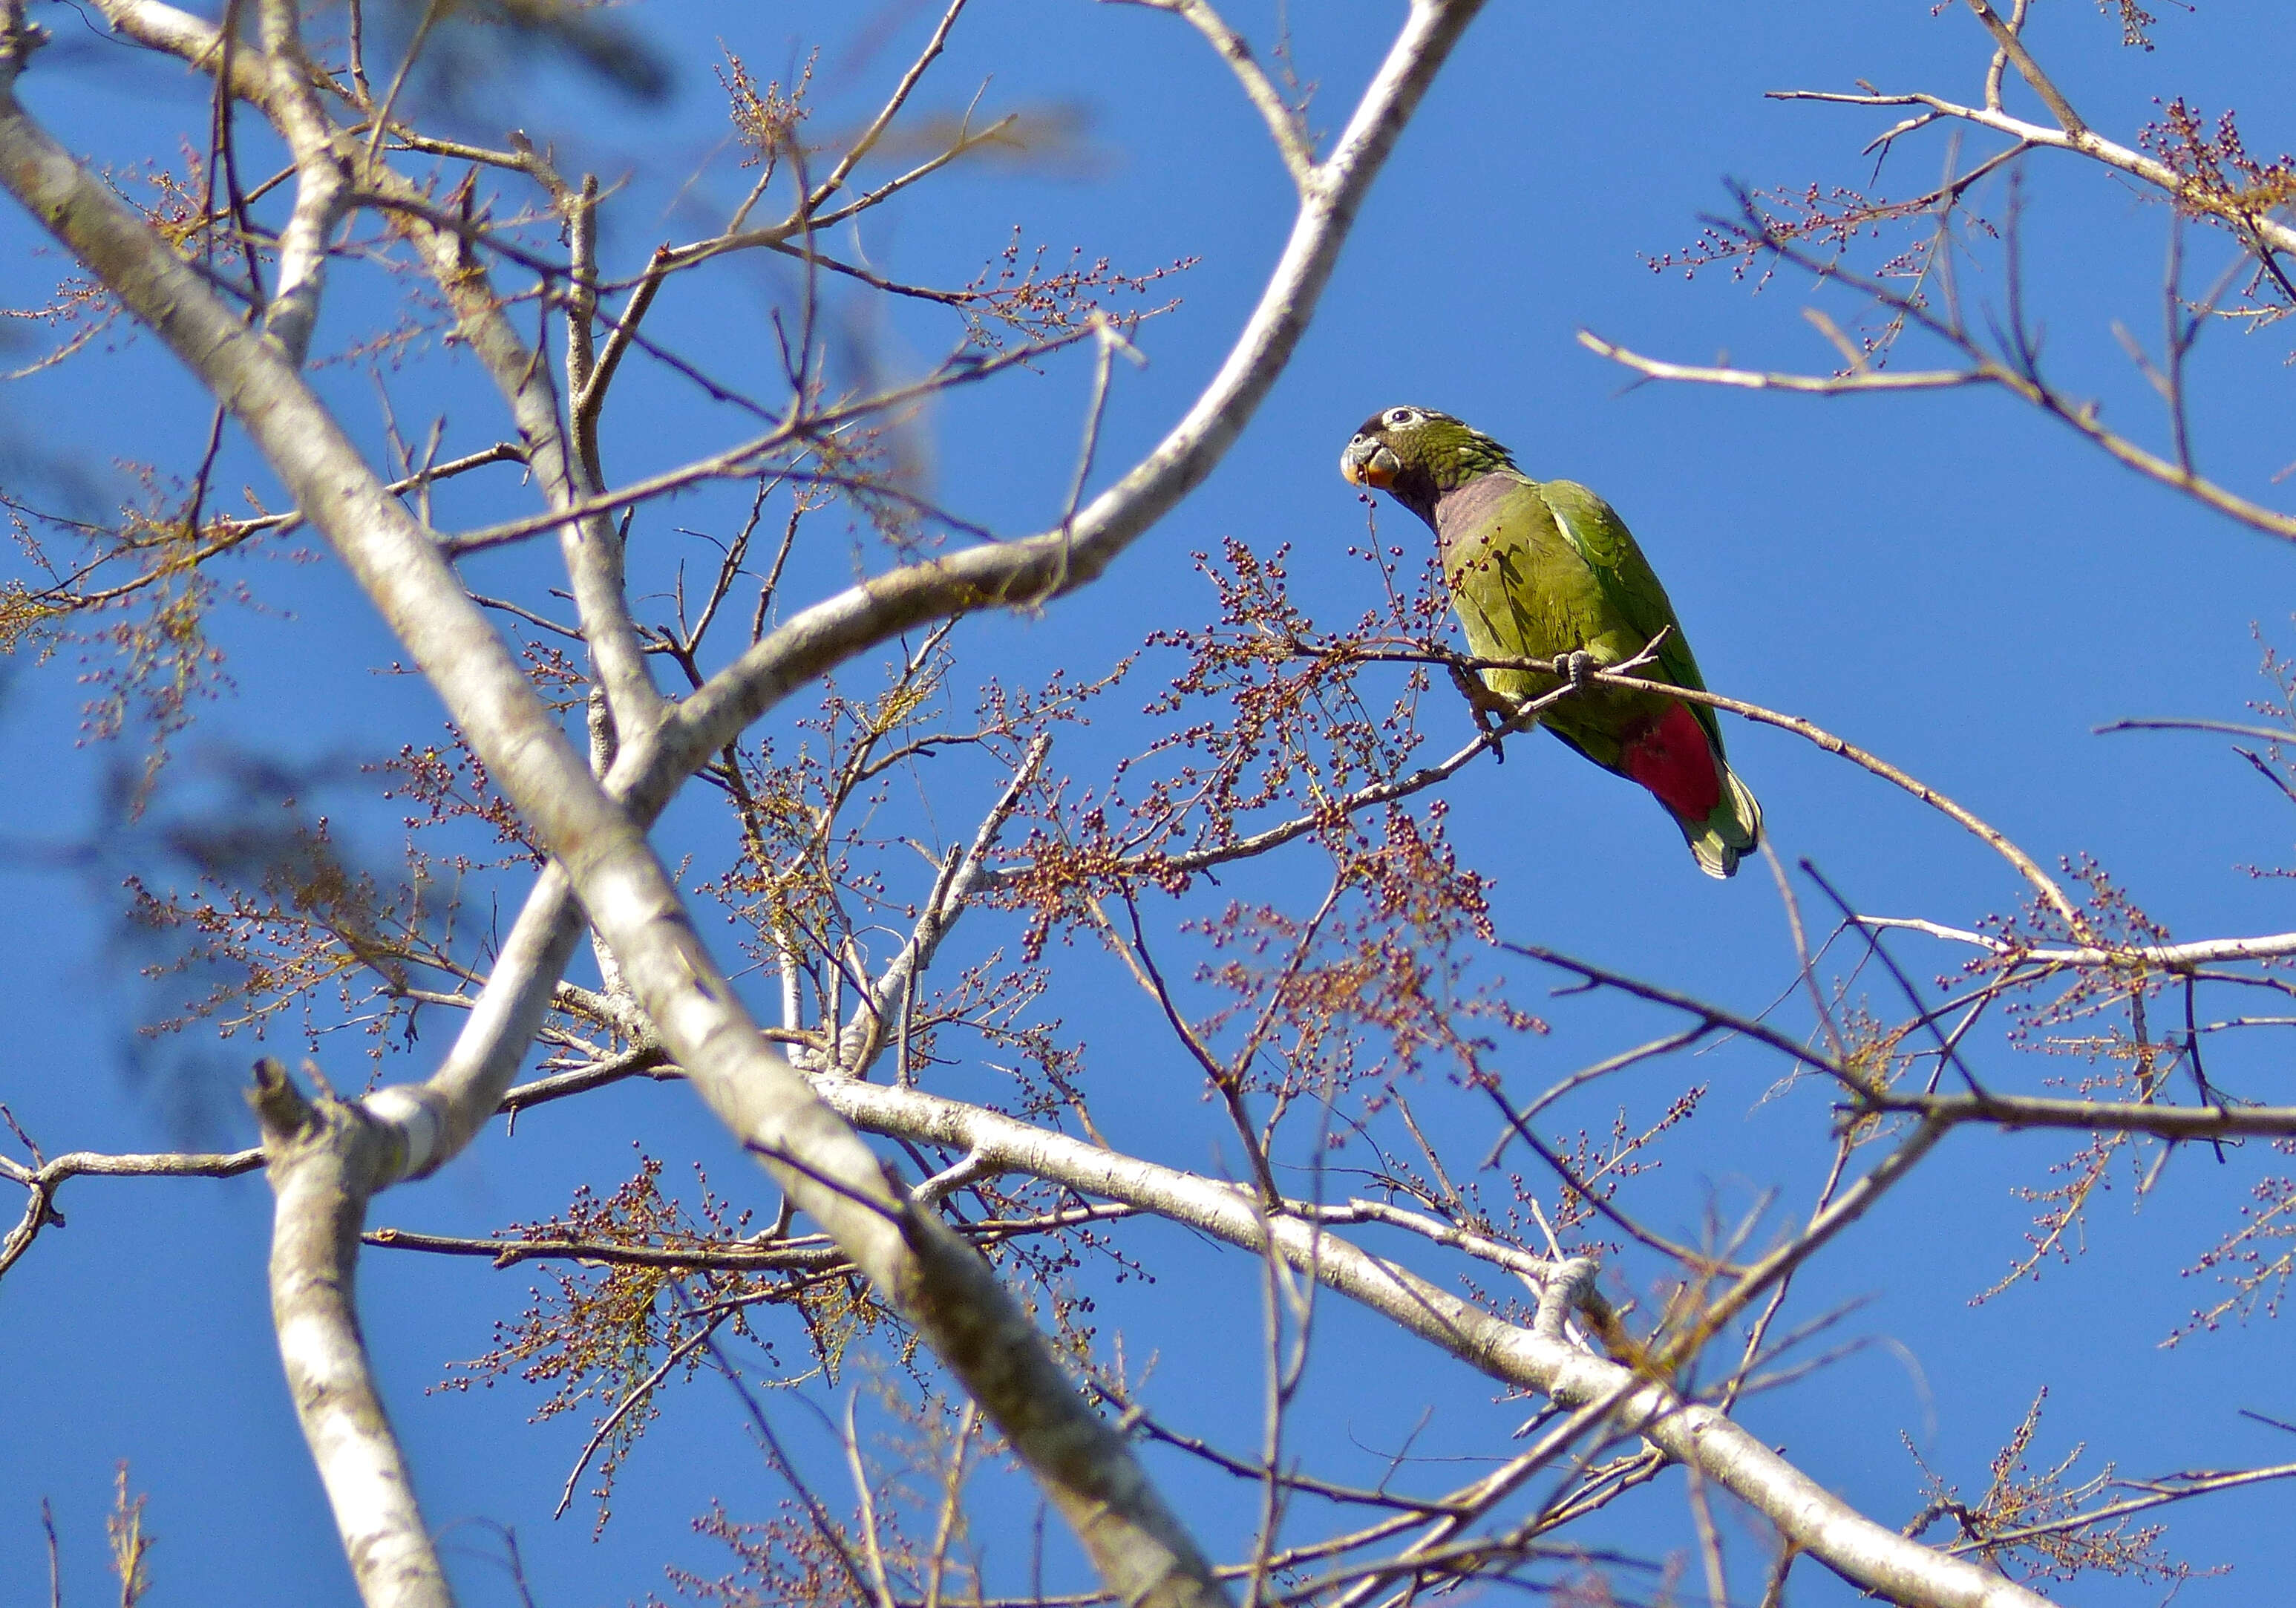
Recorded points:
(1674, 759)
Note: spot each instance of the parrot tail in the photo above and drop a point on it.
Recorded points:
(1734, 827)
(1683, 767)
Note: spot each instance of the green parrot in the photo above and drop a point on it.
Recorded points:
(1546, 569)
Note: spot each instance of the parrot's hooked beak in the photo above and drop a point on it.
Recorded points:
(1369, 462)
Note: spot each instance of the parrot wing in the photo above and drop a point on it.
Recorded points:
(1630, 586)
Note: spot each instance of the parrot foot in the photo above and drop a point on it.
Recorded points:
(1488, 705)
(1491, 712)
(1493, 730)
(1573, 667)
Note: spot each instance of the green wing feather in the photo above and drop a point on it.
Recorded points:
(1630, 586)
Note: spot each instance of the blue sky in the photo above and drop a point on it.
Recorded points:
(1951, 580)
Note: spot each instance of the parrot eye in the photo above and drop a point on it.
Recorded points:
(1402, 416)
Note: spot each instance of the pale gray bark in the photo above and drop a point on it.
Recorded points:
(820, 1161)
(932, 1277)
(321, 186)
(1868, 1555)
(326, 1158)
(47, 1175)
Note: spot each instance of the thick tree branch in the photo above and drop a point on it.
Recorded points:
(1868, 1555)
(325, 1158)
(940, 1283)
(591, 544)
(321, 186)
(648, 770)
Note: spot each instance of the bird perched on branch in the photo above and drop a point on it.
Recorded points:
(1546, 569)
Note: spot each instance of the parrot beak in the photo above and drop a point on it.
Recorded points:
(1369, 462)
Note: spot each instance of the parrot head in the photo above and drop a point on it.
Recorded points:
(1414, 454)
